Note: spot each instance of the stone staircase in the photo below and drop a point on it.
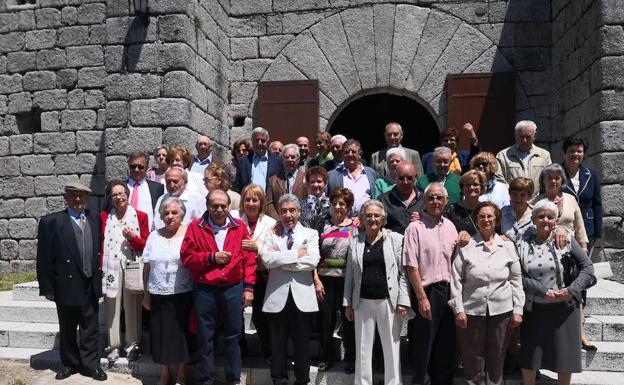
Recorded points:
(29, 327)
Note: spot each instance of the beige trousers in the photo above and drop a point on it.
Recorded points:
(132, 304)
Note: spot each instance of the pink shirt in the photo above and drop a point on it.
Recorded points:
(428, 245)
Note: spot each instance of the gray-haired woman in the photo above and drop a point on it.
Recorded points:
(168, 285)
(376, 294)
(384, 184)
(551, 327)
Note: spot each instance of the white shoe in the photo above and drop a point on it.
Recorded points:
(113, 355)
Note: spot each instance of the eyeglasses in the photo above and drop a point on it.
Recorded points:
(137, 167)
(432, 198)
(481, 164)
(405, 178)
(119, 195)
(209, 178)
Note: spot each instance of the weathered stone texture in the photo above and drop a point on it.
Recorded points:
(85, 56)
(48, 18)
(10, 83)
(21, 61)
(92, 77)
(162, 111)
(176, 28)
(50, 99)
(131, 86)
(18, 187)
(36, 165)
(27, 249)
(20, 102)
(89, 141)
(51, 59)
(10, 42)
(21, 144)
(75, 164)
(78, 120)
(42, 39)
(121, 141)
(50, 143)
(244, 48)
(11, 208)
(271, 46)
(52, 185)
(358, 25)
(10, 166)
(408, 27)
(129, 30)
(39, 80)
(91, 13)
(70, 36)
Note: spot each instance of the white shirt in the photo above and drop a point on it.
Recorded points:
(199, 166)
(499, 195)
(195, 207)
(219, 231)
(167, 275)
(145, 199)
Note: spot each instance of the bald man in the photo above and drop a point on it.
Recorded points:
(403, 201)
(203, 157)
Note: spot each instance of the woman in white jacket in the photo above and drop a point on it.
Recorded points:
(376, 294)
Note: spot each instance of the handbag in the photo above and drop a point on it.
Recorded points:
(570, 270)
(133, 276)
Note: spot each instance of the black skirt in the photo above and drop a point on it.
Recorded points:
(551, 338)
(169, 334)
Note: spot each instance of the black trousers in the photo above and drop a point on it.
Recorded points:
(260, 319)
(298, 325)
(85, 353)
(332, 301)
(432, 342)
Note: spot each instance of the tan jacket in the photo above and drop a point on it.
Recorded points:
(277, 187)
(570, 218)
(486, 279)
(510, 165)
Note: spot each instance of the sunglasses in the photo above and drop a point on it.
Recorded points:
(405, 178)
(432, 198)
(481, 164)
(137, 167)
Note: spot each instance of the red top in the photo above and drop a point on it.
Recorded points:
(138, 243)
(199, 247)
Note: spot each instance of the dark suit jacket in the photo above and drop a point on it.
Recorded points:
(589, 199)
(328, 166)
(277, 187)
(243, 175)
(156, 190)
(59, 265)
(463, 155)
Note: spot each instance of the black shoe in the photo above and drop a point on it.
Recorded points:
(97, 374)
(324, 366)
(65, 372)
(588, 347)
(133, 355)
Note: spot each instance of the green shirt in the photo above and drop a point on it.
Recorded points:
(451, 183)
(382, 185)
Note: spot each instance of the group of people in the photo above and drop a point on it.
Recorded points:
(466, 246)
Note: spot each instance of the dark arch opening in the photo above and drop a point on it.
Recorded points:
(365, 118)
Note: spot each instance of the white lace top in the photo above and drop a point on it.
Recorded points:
(167, 275)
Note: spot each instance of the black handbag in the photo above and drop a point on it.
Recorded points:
(570, 270)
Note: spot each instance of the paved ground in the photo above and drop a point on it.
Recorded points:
(20, 373)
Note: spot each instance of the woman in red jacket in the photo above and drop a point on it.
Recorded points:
(124, 231)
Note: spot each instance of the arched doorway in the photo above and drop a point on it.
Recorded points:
(364, 119)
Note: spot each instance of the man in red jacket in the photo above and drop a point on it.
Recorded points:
(224, 275)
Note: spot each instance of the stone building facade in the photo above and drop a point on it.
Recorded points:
(85, 82)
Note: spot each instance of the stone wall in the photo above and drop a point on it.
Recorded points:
(588, 78)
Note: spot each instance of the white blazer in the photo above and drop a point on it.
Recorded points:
(290, 273)
(264, 225)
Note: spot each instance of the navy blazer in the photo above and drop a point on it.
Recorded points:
(243, 174)
(589, 199)
(463, 155)
(59, 265)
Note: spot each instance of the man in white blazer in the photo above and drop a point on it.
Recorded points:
(291, 253)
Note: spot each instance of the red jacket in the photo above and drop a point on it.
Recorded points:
(198, 249)
(138, 243)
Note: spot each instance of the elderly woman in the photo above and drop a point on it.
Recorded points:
(552, 179)
(124, 231)
(324, 156)
(216, 178)
(495, 191)
(376, 294)
(551, 330)
(168, 285)
(259, 225)
(157, 174)
(240, 148)
(516, 217)
(384, 184)
(486, 297)
(329, 278)
(472, 184)
(181, 157)
(315, 208)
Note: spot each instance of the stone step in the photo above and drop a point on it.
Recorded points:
(27, 291)
(256, 372)
(609, 357)
(31, 311)
(605, 327)
(605, 298)
(29, 335)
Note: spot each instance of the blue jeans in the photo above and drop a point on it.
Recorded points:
(211, 303)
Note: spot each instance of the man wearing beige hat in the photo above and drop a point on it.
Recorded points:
(69, 273)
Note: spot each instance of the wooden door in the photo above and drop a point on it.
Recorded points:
(289, 109)
(487, 101)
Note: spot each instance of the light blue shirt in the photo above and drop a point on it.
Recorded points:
(259, 169)
(199, 166)
(76, 216)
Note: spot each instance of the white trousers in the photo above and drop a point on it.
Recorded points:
(369, 314)
(132, 304)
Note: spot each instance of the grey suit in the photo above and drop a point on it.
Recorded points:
(379, 163)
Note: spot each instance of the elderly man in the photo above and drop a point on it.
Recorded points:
(276, 147)
(336, 148)
(460, 159)
(143, 193)
(523, 158)
(258, 166)
(290, 181)
(291, 253)
(204, 156)
(68, 271)
(442, 158)
(354, 175)
(427, 250)
(304, 150)
(224, 274)
(176, 179)
(402, 203)
(394, 135)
